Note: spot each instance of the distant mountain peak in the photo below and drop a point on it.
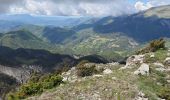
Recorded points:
(160, 12)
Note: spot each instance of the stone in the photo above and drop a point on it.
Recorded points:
(97, 75)
(160, 69)
(158, 65)
(65, 79)
(141, 96)
(133, 60)
(114, 78)
(168, 70)
(113, 63)
(107, 71)
(152, 56)
(168, 81)
(143, 70)
(167, 61)
(168, 54)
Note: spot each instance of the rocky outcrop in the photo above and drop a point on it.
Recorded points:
(143, 70)
(133, 60)
(70, 75)
(167, 61)
(159, 67)
(22, 74)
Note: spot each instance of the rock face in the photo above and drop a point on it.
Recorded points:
(133, 60)
(70, 75)
(167, 61)
(159, 67)
(21, 74)
(143, 70)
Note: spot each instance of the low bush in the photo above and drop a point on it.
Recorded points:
(86, 71)
(164, 93)
(153, 46)
(51, 81)
(36, 86)
(83, 70)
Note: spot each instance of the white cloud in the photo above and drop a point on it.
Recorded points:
(159, 2)
(139, 5)
(74, 7)
(5, 4)
(142, 6)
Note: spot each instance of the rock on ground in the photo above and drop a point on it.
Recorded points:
(143, 70)
(133, 60)
(158, 65)
(141, 96)
(107, 71)
(167, 61)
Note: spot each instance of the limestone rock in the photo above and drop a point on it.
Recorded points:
(143, 70)
(168, 54)
(168, 81)
(158, 65)
(107, 71)
(167, 61)
(133, 60)
(152, 56)
(70, 75)
(22, 74)
(114, 78)
(141, 96)
(97, 75)
(160, 69)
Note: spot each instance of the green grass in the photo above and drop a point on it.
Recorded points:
(160, 56)
(153, 85)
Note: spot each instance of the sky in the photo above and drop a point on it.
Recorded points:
(77, 7)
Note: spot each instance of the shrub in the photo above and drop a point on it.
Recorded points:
(153, 46)
(11, 96)
(164, 93)
(36, 86)
(30, 89)
(35, 77)
(51, 81)
(83, 70)
(86, 71)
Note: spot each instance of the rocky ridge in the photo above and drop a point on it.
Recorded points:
(144, 77)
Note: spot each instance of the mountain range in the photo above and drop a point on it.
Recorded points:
(40, 43)
(114, 35)
(62, 21)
